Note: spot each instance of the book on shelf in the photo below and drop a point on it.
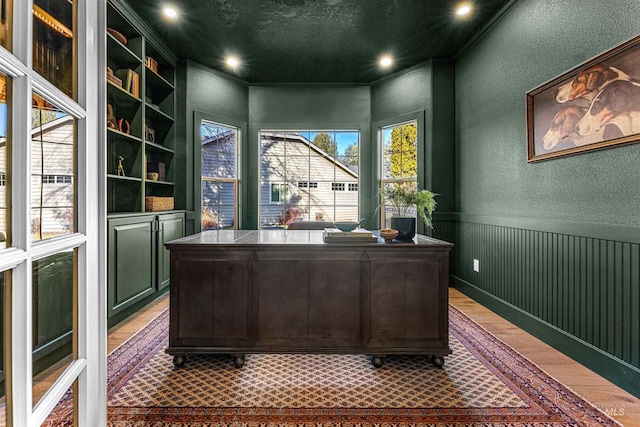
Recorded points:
(130, 80)
(135, 84)
(152, 64)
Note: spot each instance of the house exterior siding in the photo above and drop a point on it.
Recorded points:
(309, 174)
(52, 179)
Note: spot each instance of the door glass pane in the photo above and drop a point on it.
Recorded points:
(5, 156)
(4, 311)
(53, 171)
(62, 414)
(53, 40)
(5, 23)
(53, 319)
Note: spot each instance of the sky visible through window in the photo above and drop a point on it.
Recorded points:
(343, 139)
(3, 120)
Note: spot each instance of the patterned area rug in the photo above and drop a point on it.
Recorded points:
(483, 383)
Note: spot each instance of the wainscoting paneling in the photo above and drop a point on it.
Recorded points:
(583, 285)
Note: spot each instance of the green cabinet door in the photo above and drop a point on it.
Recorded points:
(171, 227)
(132, 260)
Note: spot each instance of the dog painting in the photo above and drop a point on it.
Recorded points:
(595, 106)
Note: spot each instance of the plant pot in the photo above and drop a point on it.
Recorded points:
(406, 227)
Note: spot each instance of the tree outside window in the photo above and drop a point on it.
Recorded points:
(399, 161)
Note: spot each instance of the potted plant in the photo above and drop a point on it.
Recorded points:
(405, 200)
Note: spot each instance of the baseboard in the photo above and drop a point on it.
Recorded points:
(618, 372)
(121, 315)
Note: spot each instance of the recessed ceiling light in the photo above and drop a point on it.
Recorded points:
(170, 12)
(463, 9)
(233, 61)
(386, 61)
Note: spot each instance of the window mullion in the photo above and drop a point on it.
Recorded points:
(19, 390)
(19, 367)
(22, 34)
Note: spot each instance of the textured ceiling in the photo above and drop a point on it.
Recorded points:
(315, 40)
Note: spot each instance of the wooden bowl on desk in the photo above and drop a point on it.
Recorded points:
(388, 234)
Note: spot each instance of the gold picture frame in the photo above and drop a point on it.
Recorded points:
(594, 106)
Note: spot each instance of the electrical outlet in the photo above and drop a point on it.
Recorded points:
(476, 265)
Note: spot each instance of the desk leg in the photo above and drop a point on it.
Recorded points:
(179, 360)
(377, 361)
(438, 361)
(238, 360)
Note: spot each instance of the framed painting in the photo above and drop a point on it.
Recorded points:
(594, 106)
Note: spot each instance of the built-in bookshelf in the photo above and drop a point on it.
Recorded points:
(141, 147)
(140, 117)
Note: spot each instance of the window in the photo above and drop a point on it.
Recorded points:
(52, 150)
(5, 159)
(5, 24)
(53, 39)
(399, 161)
(51, 282)
(219, 172)
(307, 185)
(278, 193)
(304, 174)
(56, 179)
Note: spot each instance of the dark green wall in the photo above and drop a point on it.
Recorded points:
(308, 107)
(428, 89)
(402, 93)
(321, 107)
(534, 42)
(206, 91)
(558, 241)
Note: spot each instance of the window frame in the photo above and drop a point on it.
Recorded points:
(283, 188)
(240, 192)
(225, 179)
(422, 147)
(337, 186)
(86, 374)
(313, 182)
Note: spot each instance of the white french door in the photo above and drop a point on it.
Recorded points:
(52, 211)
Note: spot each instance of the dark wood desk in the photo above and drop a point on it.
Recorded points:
(283, 291)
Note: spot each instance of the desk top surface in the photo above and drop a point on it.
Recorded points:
(282, 237)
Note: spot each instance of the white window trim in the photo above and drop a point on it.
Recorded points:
(241, 128)
(234, 180)
(282, 185)
(89, 368)
(417, 117)
(323, 185)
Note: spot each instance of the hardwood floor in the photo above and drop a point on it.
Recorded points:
(622, 406)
